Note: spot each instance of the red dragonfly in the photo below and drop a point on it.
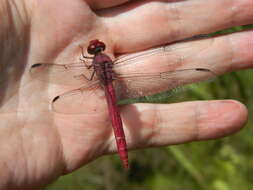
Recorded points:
(107, 72)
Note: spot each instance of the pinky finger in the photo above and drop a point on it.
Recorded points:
(149, 125)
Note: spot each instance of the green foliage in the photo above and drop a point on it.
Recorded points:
(224, 164)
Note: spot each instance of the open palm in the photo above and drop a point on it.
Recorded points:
(49, 144)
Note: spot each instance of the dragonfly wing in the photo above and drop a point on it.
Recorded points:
(144, 84)
(68, 74)
(173, 53)
(79, 101)
(139, 57)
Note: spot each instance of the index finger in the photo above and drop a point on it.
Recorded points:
(145, 24)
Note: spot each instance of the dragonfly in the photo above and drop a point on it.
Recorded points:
(109, 75)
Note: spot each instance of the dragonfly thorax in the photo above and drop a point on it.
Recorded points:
(95, 47)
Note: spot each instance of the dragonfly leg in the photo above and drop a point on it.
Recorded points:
(86, 65)
(83, 56)
(85, 77)
(92, 75)
(83, 59)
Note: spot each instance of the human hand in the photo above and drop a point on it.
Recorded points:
(38, 145)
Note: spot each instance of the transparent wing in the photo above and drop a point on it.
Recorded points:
(138, 74)
(144, 84)
(130, 58)
(83, 100)
(67, 74)
(173, 52)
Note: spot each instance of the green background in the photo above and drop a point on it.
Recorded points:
(223, 164)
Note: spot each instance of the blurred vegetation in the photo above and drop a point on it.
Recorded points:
(224, 164)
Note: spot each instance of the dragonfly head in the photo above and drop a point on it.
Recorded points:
(95, 47)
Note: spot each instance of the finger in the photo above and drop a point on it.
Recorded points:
(220, 55)
(158, 125)
(147, 24)
(98, 4)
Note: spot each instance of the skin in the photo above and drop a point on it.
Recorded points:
(37, 145)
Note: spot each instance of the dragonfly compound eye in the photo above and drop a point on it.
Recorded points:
(95, 47)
